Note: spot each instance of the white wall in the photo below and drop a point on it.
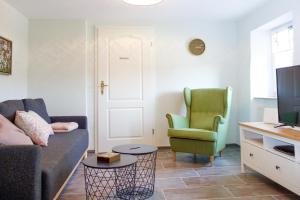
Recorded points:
(176, 68)
(14, 26)
(57, 65)
(252, 109)
(90, 83)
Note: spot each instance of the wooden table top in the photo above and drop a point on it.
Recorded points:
(286, 132)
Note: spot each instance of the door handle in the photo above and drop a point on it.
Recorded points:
(102, 85)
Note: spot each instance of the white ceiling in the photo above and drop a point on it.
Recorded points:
(117, 10)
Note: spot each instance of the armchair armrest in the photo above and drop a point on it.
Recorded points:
(177, 121)
(219, 119)
(81, 120)
(21, 174)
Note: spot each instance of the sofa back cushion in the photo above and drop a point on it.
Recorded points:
(8, 108)
(38, 106)
(12, 135)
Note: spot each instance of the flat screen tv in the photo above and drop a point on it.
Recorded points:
(288, 95)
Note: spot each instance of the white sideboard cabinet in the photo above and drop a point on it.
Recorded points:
(257, 152)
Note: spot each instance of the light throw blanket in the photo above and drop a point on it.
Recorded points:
(64, 127)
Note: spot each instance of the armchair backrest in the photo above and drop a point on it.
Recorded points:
(204, 104)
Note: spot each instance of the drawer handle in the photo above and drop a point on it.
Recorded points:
(251, 154)
(277, 167)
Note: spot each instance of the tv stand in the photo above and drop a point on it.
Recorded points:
(258, 140)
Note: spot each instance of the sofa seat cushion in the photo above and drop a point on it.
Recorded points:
(193, 134)
(59, 159)
(38, 106)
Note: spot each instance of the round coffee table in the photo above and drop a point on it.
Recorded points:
(145, 174)
(114, 180)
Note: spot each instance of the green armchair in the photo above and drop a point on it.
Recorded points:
(204, 129)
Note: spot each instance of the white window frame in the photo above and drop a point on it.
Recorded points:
(273, 67)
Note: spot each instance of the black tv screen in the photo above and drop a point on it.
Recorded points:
(288, 95)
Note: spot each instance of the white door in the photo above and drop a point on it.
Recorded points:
(126, 97)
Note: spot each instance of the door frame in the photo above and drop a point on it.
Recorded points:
(98, 30)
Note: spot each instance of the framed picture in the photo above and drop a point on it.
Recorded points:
(5, 56)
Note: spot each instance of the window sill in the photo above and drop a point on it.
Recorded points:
(266, 98)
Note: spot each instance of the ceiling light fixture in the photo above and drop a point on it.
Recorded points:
(142, 2)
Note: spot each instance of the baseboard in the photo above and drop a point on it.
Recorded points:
(91, 151)
(233, 145)
(227, 145)
(164, 147)
(168, 147)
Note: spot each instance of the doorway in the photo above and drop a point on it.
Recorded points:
(125, 87)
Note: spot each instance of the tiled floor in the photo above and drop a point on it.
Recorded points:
(191, 178)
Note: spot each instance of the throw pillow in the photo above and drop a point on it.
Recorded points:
(42, 121)
(12, 135)
(34, 126)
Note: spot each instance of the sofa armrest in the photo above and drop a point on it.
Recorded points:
(21, 174)
(177, 121)
(81, 120)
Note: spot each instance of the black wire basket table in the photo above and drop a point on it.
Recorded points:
(107, 181)
(146, 165)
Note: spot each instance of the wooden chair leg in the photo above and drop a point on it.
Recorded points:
(212, 159)
(174, 155)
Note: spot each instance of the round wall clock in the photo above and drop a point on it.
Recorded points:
(197, 47)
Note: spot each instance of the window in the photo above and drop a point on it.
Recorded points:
(282, 46)
(282, 49)
(272, 47)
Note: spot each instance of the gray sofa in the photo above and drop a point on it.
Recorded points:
(32, 172)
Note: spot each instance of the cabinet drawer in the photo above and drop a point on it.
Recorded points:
(253, 156)
(286, 172)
